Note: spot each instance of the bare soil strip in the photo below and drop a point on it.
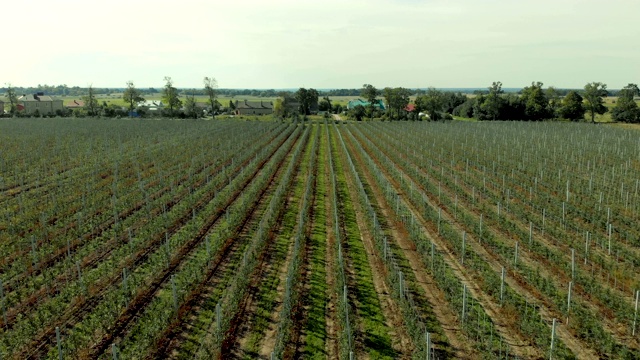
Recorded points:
(447, 318)
(75, 313)
(513, 336)
(619, 332)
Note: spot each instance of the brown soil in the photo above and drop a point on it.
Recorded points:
(97, 291)
(518, 285)
(435, 296)
(619, 332)
(175, 333)
(94, 258)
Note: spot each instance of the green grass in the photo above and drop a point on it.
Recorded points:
(315, 327)
(425, 310)
(268, 294)
(374, 330)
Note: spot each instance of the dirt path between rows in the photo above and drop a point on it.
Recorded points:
(331, 313)
(401, 341)
(618, 331)
(447, 319)
(268, 343)
(515, 340)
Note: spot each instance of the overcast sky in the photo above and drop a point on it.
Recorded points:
(322, 43)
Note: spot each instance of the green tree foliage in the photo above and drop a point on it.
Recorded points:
(307, 98)
(370, 93)
(397, 99)
(465, 109)
(170, 96)
(325, 104)
(553, 95)
(536, 104)
(572, 107)
(493, 102)
(432, 102)
(513, 108)
(626, 109)
(451, 100)
(132, 96)
(11, 95)
(191, 107)
(91, 103)
(210, 89)
(358, 112)
(593, 94)
(279, 108)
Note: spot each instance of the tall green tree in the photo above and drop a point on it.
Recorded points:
(370, 93)
(397, 99)
(535, 102)
(13, 99)
(325, 104)
(553, 95)
(432, 102)
(91, 102)
(170, 96)
(191, 107)
(307, 98)
(594, 93)
(279, 108)
(626, 109)
(494, 102)
(358, 112)
(211, 90)
(572, 107)
(132, 96)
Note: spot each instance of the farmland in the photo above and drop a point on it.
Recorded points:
(129, 239)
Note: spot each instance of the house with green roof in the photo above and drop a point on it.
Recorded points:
(377, 104)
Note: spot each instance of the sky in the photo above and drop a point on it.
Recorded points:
(276, 44)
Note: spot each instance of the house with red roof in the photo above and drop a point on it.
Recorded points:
(75, 104)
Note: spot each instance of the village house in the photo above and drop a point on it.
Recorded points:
(75, 104)
(254, 107)
(152, 106)
(377, 104)
(39, 104)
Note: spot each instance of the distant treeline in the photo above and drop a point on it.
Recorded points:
(63, 90)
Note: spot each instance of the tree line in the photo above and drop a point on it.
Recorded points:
(535, 103)
(532, 103)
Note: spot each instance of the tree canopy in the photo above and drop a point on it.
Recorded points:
(170, 96)
(594, 93)
(572, 107)
(307, 99)
(536, 104)
(90, 102)
(13, 99)
(397, 99)
(370, 93)
(626, 109)
(210, 89)
(432, 102)
(132, 96)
